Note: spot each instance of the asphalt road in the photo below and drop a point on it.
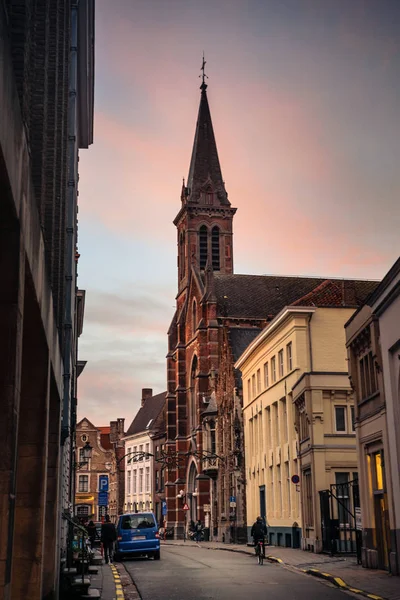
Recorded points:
(191, 572)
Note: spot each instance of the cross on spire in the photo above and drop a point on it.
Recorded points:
(203, 75)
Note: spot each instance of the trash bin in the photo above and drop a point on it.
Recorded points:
(206, 533)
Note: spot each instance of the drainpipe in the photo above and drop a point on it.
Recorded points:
(309, 341)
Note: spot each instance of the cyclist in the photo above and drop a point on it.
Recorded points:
(258, 532)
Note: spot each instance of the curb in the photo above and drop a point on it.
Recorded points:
(119, 592)
(338, 581)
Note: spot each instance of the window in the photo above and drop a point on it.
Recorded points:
(82, 510)
(213, 444)
(137, 521)
(258, 381)
(84, 438)
(340, 418)
(194, 317)
(266, 375)
(253, 386)
(353, 426)
(134, 451)
(128, 482)
(280, 362)
(284, 420)
(215, 248)
(248, 390)
(84, 462)
(288, 487)
(83, 483)
(140, 481)
(147, 479)
(367, 376)
(141, 452)
(203, 245)
(308, 497)
(182, 264)
(147, 450)
(157, 481)
(289, 357)
(134, 480)
(273, 369)
(193, 393)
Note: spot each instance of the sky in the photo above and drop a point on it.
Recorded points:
(304, 97)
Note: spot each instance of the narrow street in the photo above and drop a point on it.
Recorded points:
(193, 572)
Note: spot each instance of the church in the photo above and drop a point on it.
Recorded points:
(218, 314)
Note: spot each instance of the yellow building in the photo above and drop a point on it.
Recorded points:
(298, 420)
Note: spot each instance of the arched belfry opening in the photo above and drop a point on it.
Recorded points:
(193, 394)
(215, 248)
(203, 246)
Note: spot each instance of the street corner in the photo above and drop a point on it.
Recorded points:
(340, 583)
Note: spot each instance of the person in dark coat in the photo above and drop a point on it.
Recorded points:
(108, 537)
(91, 529)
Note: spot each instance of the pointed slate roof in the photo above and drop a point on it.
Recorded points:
(205, 170)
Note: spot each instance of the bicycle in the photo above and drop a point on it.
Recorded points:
(260, 549)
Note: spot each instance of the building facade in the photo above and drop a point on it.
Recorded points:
(46, 117)
(298, 409)
(373, 342)
(99, 483)
(140, 479)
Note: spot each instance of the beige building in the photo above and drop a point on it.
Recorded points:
(298, 418)
(373, 341)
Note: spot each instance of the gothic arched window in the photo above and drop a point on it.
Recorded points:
(203, 244)
(194, 317)
(193, 393)
(215, 248)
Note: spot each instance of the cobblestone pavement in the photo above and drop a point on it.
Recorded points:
(366, 582)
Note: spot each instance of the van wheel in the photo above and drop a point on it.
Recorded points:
(157, 555)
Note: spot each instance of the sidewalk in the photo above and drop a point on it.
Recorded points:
(342, 571)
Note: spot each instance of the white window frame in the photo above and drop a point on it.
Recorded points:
(80, 477)
(289, 356)
(281, 364)
(266, 375)
(273, 369)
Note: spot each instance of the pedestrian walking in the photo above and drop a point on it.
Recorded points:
(199, 531)
(108, 537)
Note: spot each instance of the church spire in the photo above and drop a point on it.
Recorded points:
(205, 171)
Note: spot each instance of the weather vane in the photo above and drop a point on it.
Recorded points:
(203, 75)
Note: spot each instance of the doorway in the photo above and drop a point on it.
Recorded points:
(263, 510)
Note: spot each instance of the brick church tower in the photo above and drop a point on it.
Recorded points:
(204, 240)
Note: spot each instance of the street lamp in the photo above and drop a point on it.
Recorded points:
(86, 454)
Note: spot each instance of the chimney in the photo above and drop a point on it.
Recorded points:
(349, 293)
(146, 393)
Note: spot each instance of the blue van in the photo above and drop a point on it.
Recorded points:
(137, 534)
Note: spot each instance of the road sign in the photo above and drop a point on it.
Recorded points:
(164, 508)
(357, 511)
(185, 507)
(232, 499)
(295, 479)
(103, 499)
(103, 483)
(232, 504)
(207, 508)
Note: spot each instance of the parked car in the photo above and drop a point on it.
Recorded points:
(137, 535)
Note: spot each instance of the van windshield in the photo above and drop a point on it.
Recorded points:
(142, 521)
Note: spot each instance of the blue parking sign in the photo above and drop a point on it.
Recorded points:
(164, 508)
(103, 483)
